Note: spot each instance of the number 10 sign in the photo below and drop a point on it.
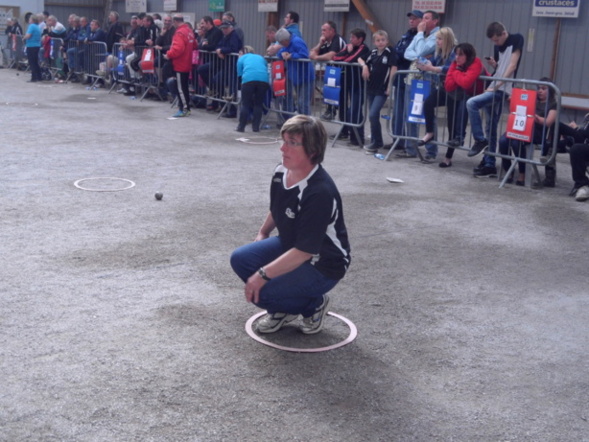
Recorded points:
(522, 108)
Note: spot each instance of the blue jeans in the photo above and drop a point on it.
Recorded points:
(298, 292)
(304, 93)
(375, 104)
(492, 103)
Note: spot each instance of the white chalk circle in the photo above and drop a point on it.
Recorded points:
(256, 337)
(107, 181)
(258, 140)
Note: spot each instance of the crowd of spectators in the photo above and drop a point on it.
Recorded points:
(217, 72)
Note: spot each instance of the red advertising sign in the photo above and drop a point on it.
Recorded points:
(522, 109)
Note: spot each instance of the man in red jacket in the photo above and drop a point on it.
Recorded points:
(180, 53)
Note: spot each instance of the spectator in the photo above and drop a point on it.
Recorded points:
(330, 43)
(571, 134)
(253, 70)
(435, 71)
(579, 157)
(290, 274)
(115, 31)
(33, 44)
(210, 41)
(274, 46)
(378, 70)
(543, 122)
(505, 62)
(128, 43)
(54, 28)
(300, 75)
(398, 123)
(422, 45)
(180, 53)
(229, 17)
(462, 81)
(226, 74)
(353, 86)
(291, 24)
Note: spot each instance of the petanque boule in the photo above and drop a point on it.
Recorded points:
(159, 196)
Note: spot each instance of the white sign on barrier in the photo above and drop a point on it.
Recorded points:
(556, 8)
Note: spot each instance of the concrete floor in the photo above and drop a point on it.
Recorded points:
(121, 320)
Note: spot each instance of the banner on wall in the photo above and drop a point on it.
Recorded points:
(216, 5)
(556, 8)
(337, 6)
(7, 12)
(170, 5)
(267, 5)
(438, 6)
(135, 6)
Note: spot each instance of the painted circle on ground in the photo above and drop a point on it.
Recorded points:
(255, 337)
(129, 184)
(258, 140)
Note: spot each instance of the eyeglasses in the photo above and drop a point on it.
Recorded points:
(291, 143)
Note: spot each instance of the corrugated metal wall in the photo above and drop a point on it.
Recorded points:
(468, 19)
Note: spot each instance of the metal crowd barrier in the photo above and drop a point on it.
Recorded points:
(84, 59)
(406, 127)
(125, 67)
(15, 51)
(55, 57)
(214, 80)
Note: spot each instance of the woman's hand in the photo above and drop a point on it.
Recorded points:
(252, 288)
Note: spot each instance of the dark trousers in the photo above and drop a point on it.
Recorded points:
(253, 94)
(183, 94)
(579, 160)
(33, 57)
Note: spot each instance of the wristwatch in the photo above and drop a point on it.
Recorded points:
(262, 273)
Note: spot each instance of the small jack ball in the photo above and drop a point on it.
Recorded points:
(159, 196)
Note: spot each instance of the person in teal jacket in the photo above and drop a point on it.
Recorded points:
(253, 70)
(33, 44)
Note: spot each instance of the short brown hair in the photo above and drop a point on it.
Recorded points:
(313, 134)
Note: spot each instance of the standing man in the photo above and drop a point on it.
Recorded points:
(330, 43)
(228, 16)
(423, 45)
(291, 24)
(180, 53)
(353, 85)
(115, 31)
(505, 62)
(403, 64)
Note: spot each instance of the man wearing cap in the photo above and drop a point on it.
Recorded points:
(403, 64)
(225, 67)
(180, 53)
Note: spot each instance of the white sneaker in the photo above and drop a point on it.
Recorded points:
(314, 324)
(582, 193)
(272, 322)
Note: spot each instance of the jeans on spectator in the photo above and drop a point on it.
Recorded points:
(457, 111)
(304, 92)
(297, 292)
(354, 112)
(400, 125)
(253, 94)
(33, 57)
(579, 157)
(492, 103)
(375, 104)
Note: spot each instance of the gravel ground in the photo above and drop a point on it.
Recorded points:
(121, 320)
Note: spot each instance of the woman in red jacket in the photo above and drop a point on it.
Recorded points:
(462, 82)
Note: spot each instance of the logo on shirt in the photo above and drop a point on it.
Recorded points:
(385, 60)
(289, 213)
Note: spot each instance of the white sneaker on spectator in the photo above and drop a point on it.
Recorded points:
(582, 193)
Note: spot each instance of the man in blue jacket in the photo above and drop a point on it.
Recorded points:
(226, 65)
(299, 74)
